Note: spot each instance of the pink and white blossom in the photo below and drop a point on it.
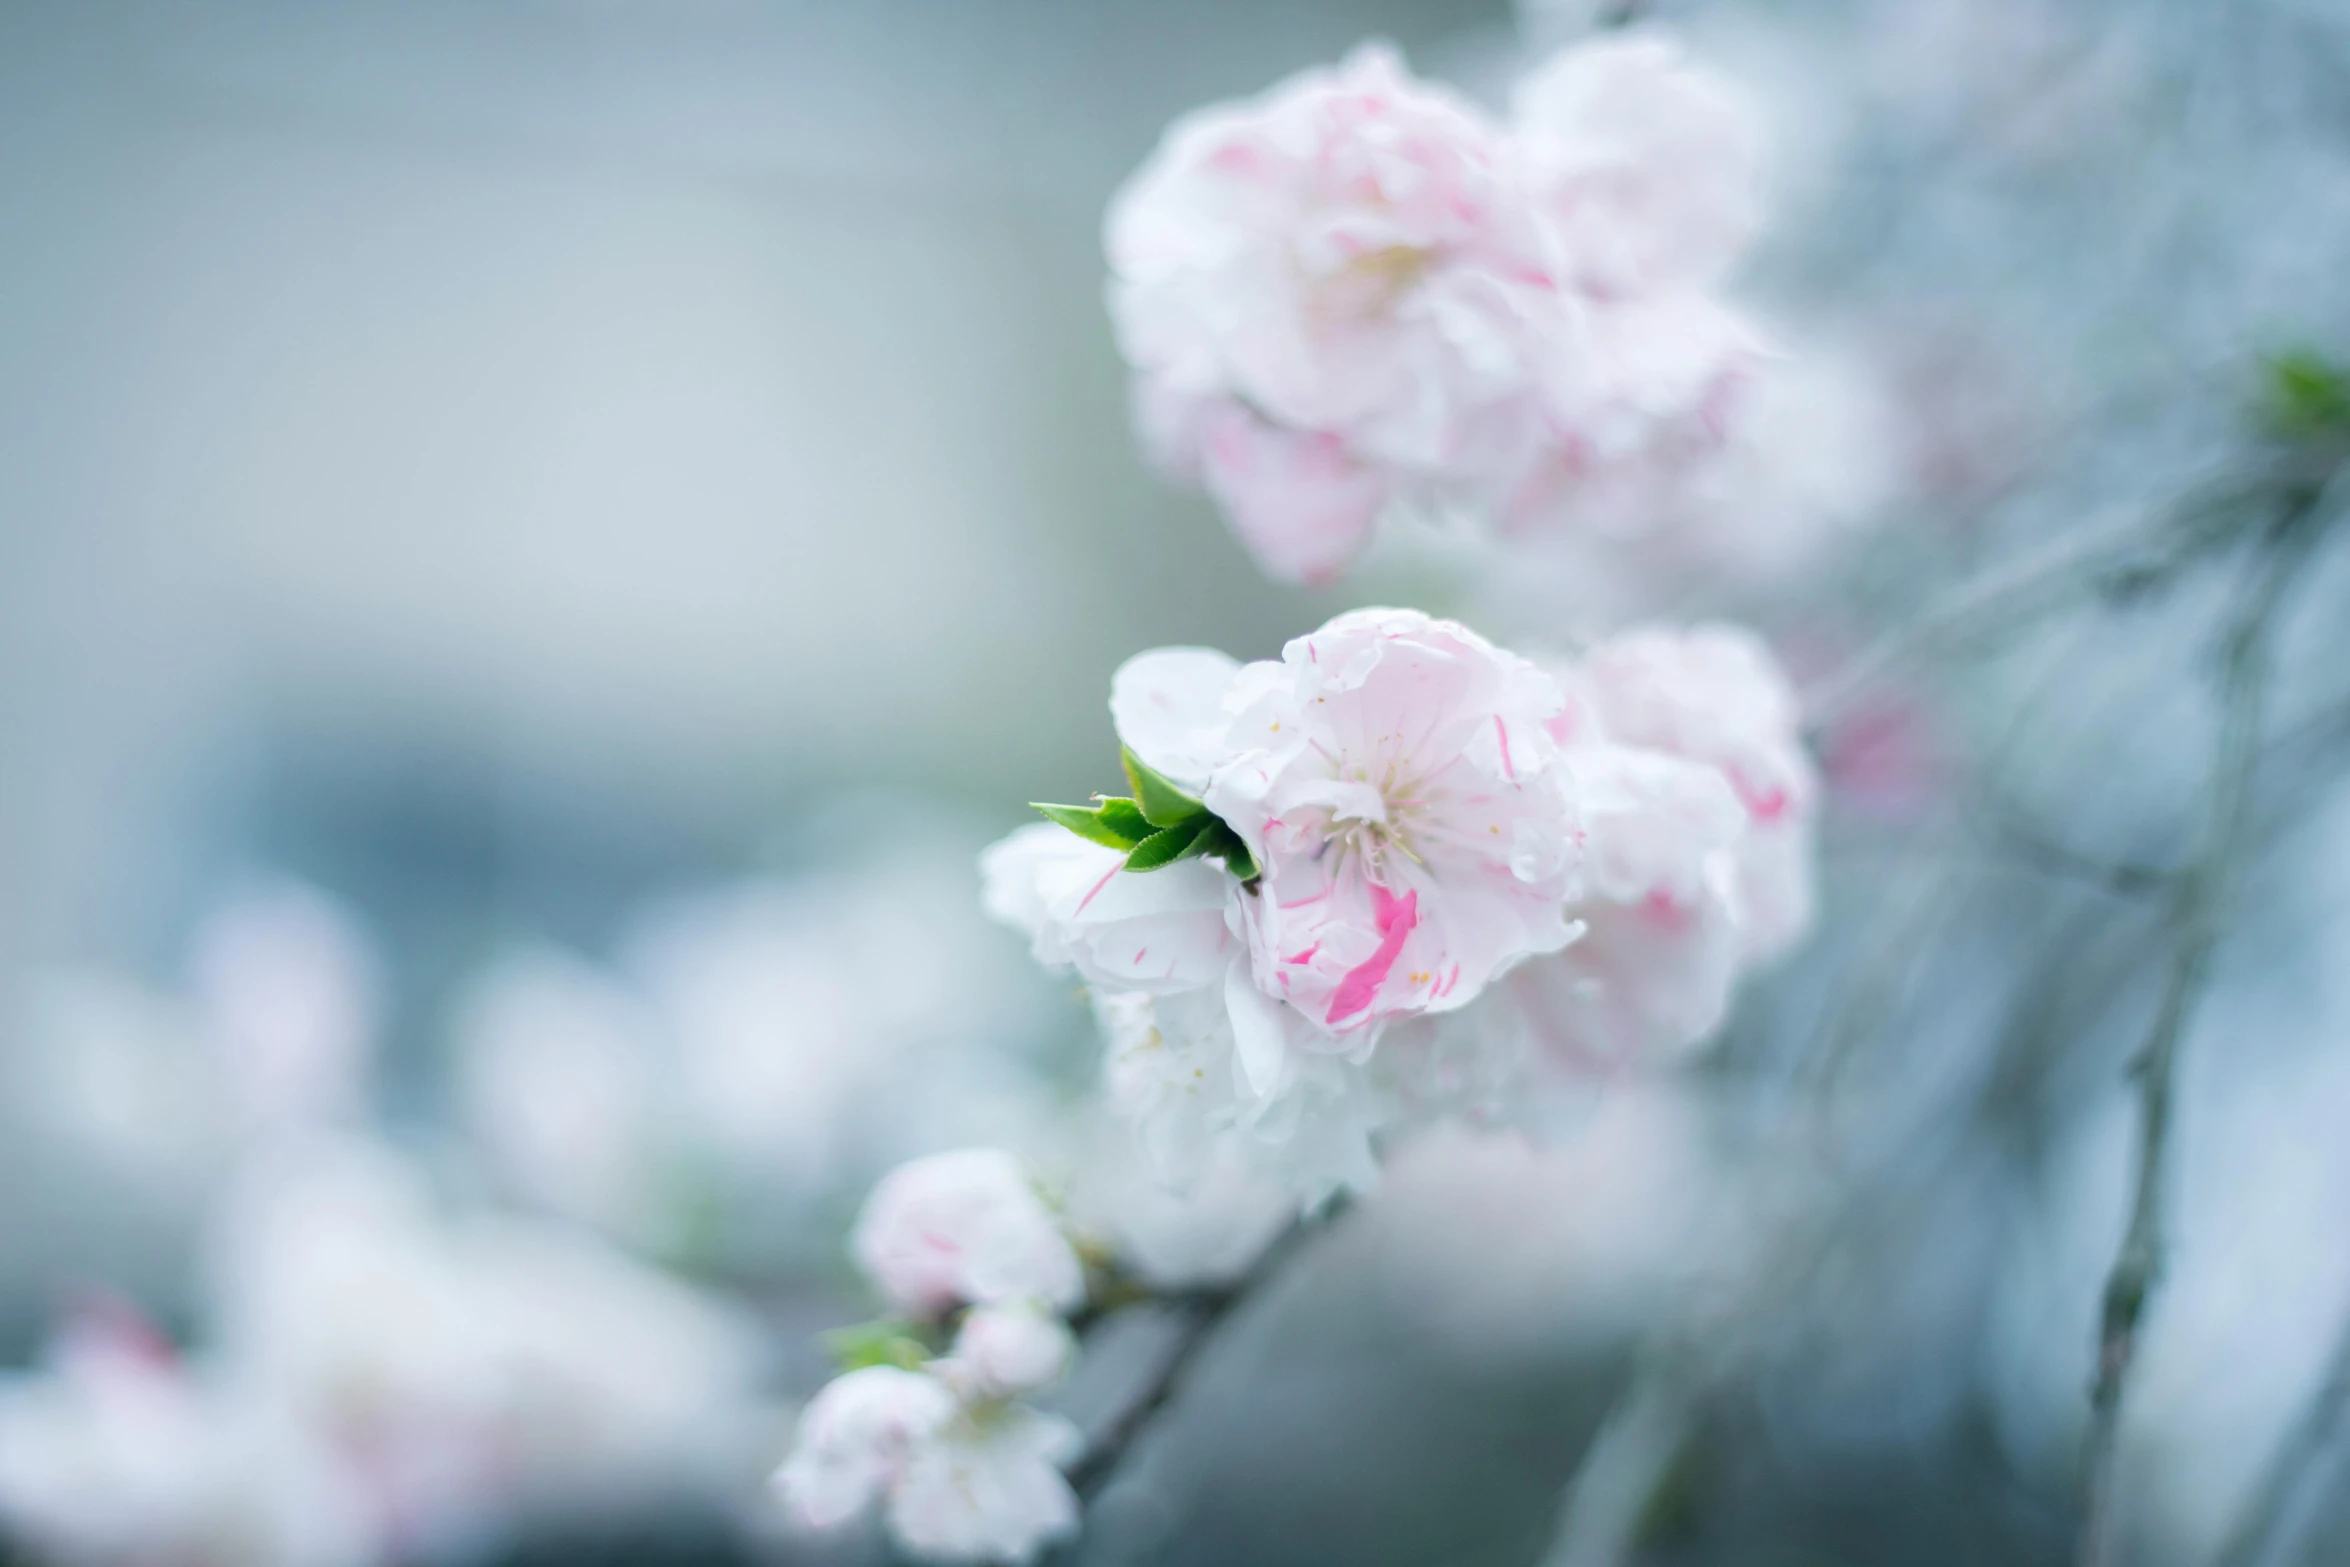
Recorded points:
(1005, 1351)
(964, 1228)
(1656, 965)
(1714, 694)
(1172, 1070)
(1300, 502)
(1750, 471)
(954, 1482)
(1340, 255)
(988, 1488)
(1396, 779)
(1159, 931)
(855, 1440)
(1645, 168)
(120, 1451)
(1357, 294)
(1394, 776)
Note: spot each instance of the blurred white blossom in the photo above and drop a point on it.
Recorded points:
(954, 1484)
(964, 1228)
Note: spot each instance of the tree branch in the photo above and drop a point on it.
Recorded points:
(1199, 1313)
(2196, 908)
(1629, 1458)
(2136, 554)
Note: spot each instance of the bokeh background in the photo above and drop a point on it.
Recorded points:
(559, 519)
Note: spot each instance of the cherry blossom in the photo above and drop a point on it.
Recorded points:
(1645, 167)
(988, 1488)
(1162, 930)
(1714, 694)
(1357, 294)
(1172, 1070)
(1337, 254)
(1394, 777)
(1661, 951)
(1393, 774)
(964, 1228)
(119, 1451)
(855, 1438)
(1003, 1351)
(1299, 501)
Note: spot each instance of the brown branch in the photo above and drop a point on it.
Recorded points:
(2197, 905)
(1198, 1314)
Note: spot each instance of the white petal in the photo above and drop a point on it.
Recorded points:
(1168, 705)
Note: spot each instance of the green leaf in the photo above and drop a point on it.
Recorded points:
(1180, 842)
(2306, 394)
(1088, 822)
(1222, 843)
(1126, 817)
(883, 1343)
(1163, 803)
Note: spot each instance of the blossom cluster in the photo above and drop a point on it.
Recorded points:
(966, 1251)
(1698, 804)
(1360, 289)
(373, 1380)
(1421, 815)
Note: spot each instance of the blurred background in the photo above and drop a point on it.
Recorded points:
(538, 538)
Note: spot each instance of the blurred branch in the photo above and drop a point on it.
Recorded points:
(2197, 905)
(2288, 1469)
(2041, 852)
(1630, 1458)
(2131, 557)
(1198, 1313)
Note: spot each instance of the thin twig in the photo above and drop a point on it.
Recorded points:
(2288, 1468)
(1198, 1314)
(2196, 908)
(2041, 852)
(2132, 555)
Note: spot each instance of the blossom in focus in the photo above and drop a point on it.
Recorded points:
(964, 1228)
(1161, 930)
(1395, 779)
(1394, 776)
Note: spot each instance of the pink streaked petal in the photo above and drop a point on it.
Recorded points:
(1398, 918)
(1098, 886)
